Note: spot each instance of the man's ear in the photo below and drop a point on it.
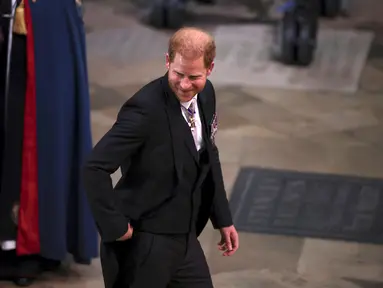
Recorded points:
(210, 69)
(167, 61)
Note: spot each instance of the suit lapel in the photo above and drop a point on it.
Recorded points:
(179, 129)
(205, 114)
(174, 126)
(202, 115)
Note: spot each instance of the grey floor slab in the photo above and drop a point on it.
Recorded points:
(245, 59)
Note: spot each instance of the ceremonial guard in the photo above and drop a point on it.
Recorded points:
(45, 135)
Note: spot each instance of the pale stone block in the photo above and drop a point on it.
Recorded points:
(323, 260)
(244, 59)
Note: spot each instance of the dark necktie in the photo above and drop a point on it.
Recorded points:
(190, 116)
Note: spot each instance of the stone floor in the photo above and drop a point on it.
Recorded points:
(306, 131)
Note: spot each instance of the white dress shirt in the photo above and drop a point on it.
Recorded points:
(198, 124)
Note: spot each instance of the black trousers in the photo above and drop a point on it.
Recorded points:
(155, 261)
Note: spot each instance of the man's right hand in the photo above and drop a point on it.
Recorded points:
(127, 235)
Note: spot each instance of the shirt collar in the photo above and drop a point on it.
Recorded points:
(187, 104)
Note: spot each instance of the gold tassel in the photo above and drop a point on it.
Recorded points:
(19, 25)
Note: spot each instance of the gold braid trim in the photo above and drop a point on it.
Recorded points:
(19, 25)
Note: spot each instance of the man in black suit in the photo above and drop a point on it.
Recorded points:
(171, 182)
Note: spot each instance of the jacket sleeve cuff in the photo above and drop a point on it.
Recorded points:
(114, 230)
(223, 222)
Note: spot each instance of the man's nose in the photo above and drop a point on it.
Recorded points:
(185, 84)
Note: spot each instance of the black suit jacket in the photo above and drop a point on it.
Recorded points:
(148, 142)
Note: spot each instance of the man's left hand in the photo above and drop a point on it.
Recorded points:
(229, 240)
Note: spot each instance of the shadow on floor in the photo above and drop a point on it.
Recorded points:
(365, 283)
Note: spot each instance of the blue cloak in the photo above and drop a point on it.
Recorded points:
(63, 130)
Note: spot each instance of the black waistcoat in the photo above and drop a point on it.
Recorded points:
(179, 214)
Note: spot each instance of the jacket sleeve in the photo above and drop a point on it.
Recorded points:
(119, 143)
(221, 215)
